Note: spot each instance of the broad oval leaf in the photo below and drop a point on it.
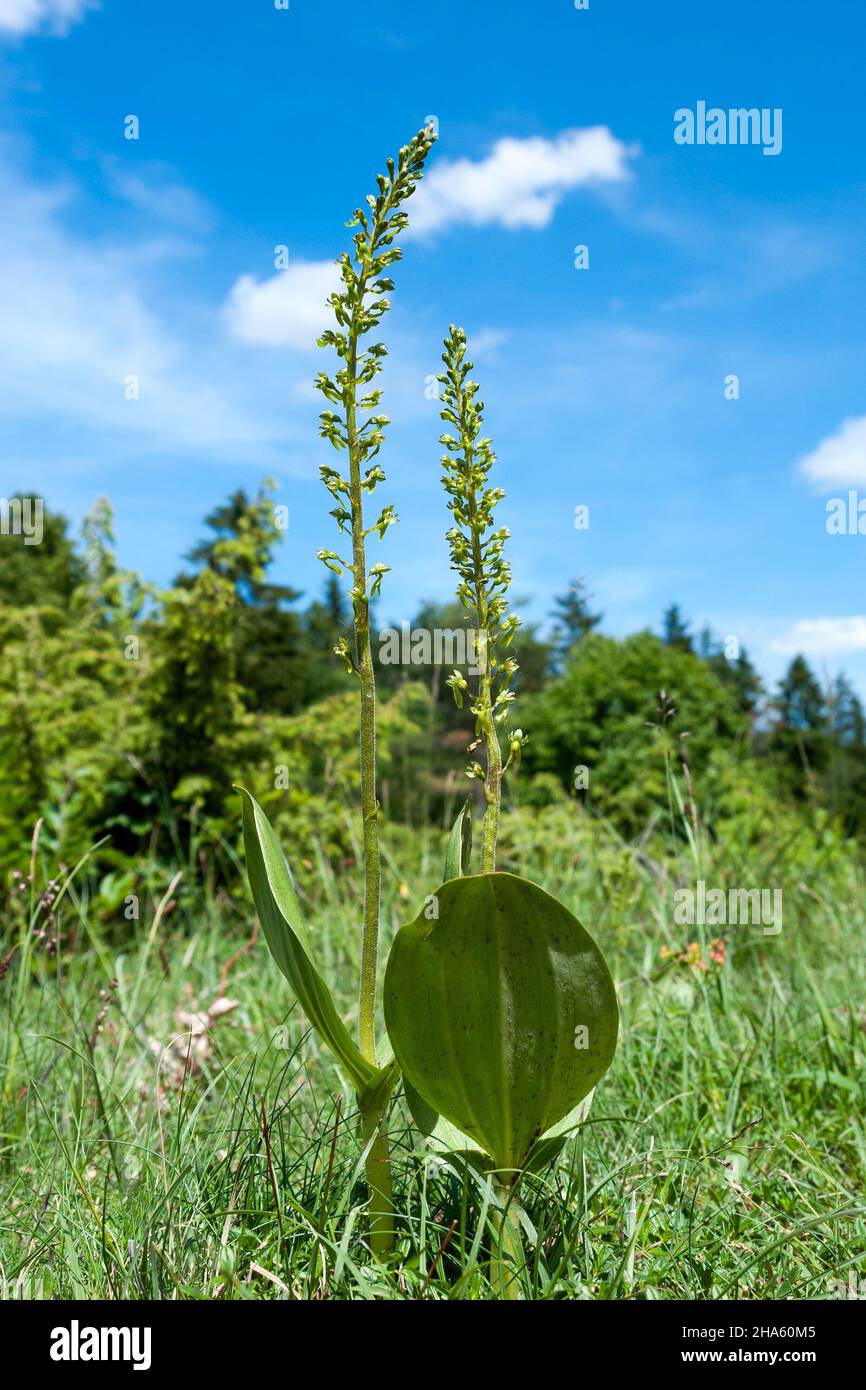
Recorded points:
(502, 1013)
(286, 934)
(442, 1137)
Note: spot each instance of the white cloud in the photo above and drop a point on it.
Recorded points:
(840, 459)
(20, 17)
(288, 309)
(822, 637)
(154, 192)
(520, 183)
(80, 316)
(486, 343)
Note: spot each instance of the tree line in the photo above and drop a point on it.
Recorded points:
(128, 711)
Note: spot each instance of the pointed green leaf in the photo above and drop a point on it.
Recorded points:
(457, 855)
(502, 1013)
(440, 1136)
(280, 915)
(424, 1115)
(548, 1148)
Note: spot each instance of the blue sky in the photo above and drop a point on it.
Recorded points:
(604, 387)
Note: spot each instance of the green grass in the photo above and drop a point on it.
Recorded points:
(724, 1156)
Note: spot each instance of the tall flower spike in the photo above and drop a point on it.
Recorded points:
(478, 556)
(353, 425)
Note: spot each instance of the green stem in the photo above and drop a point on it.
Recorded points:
(369, 809)
(493, 780)
(378, 1171)
(366, 674)
(508, 1254)
(373, 1107)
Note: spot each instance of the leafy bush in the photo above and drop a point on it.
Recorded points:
(603, 713)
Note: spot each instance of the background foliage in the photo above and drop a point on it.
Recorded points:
(129, 713)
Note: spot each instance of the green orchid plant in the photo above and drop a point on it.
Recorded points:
(499, 1007)
(501, 1010)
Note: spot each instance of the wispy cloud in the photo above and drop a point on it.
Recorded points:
(754, 257)
(520, 183)
(22, 17)
(626, 584)
(840, 459)
(81, 316)
(486, 342)
(288, 309)
(155, 192)
(822, 637)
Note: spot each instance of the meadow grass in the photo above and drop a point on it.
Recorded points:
(155, 1147)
